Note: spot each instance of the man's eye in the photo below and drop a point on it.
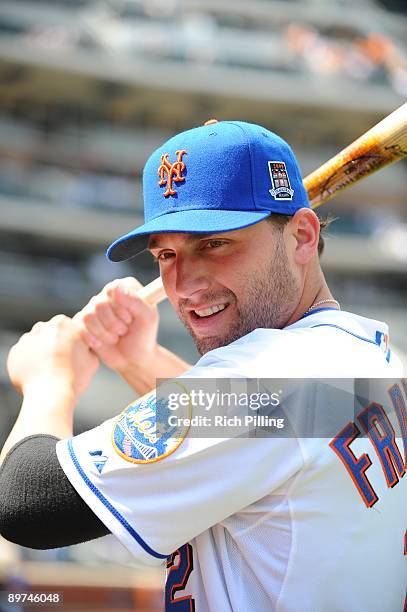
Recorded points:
(163, 256)
(213, 244)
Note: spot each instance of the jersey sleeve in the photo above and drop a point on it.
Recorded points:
(155, 493)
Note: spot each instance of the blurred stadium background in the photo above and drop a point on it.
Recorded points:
(88, 90)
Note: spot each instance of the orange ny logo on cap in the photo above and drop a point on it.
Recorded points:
(173, 172)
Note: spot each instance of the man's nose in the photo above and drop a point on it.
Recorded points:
(191, 277)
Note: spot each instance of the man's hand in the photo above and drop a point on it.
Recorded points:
(52, 353)
(51, 366)
(121, 328)
(118, 326)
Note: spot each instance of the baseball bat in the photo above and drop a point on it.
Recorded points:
(383, 144)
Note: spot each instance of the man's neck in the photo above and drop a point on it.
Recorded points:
(317, 296)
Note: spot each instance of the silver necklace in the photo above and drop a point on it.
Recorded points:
(322, 302)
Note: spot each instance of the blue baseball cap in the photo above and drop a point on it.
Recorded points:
(219, 177)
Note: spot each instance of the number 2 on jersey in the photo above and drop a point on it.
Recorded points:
(179, 567)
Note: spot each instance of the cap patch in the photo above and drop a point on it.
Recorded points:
(171, 172)
(280, 181)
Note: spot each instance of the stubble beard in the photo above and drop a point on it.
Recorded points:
(271, 295)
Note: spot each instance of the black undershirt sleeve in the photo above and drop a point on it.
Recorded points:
(39, 507)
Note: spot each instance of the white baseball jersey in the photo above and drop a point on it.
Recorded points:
(280, 523)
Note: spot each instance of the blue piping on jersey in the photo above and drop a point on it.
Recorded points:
(307, 314)
(109, 506)
(352, 334)
(347, 331)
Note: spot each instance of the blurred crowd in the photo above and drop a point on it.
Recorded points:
(166, 30)
(100, 188)
(373, 57)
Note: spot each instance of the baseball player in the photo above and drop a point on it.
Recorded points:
(243, 522)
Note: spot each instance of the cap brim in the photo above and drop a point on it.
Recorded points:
(188, 221)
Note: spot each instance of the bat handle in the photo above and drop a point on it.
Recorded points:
(154, 292)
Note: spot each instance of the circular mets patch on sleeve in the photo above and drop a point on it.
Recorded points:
(145, 432)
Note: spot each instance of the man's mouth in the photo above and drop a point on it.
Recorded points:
(207, 319)
(207, 312)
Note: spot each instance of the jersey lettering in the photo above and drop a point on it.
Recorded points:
(381, 433)
(401, 412)
(179, 567)
(376, 424)
(356, 467)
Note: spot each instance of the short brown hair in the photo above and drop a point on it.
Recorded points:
(280, 221)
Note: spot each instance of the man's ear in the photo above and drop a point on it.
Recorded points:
(304, 227)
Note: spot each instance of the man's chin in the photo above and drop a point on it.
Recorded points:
(204, 345)
(210, 343)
